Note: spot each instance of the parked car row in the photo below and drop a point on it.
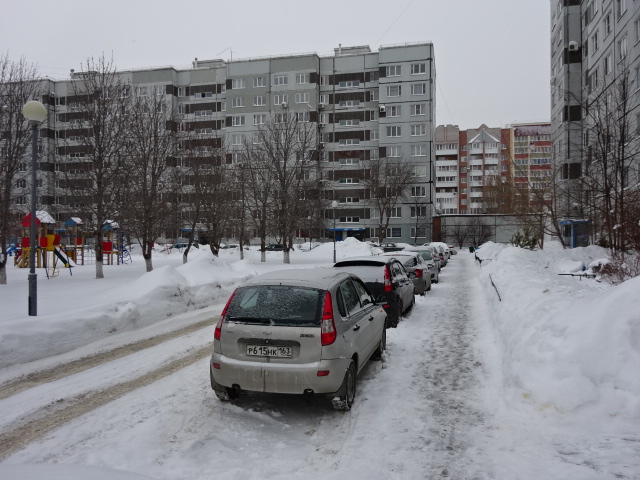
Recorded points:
(311, 331)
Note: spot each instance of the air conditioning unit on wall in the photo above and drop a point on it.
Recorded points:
(574, 46)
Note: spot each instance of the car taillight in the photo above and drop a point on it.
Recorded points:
(218, 330)
(328, 326)
(387, 279)
(418, 272)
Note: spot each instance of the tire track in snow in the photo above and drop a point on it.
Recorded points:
(67, 369)
(56, 415)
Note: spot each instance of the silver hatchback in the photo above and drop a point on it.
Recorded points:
(298, 331)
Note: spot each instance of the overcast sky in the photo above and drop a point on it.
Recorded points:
(492, 56)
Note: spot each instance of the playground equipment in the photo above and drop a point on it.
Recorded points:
(113, 244)
(73, 239)
(49, 250)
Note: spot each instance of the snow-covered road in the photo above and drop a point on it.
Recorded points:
(427, 411)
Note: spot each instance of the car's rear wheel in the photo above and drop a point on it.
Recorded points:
(347, 393)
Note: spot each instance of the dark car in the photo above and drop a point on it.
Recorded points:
(274, 247)
(391, 247)
(384, 277)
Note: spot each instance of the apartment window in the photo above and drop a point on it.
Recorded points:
(182, 91)
(349, 103)
(636, 29)
(375, 135)
(324, 79)
(373, 96)
(420, 171)
(394, 110)
(349, 161)
(349, 180)
(302, 78)
(418, 150)
(237, 120)
(594, 42)
(259, 82)
(394, 151)
(160, 89)
(280, 80)
(236, 139)
(420, 232)
(418, 68)
(349, 219)
(394, 131)
(323, 118)
(350, 122)
(280, 118)
(417, 212)
(259, 101)
(349, 200)
(622, 48)
(324, 99)
(237, 102)
(238, 83)
(418, 130)
(279, 99)
(349, 84)
(394, 232)
(606, 63)
(203, 113)
(203, 95)
(302, 98)
(260, 119)
(621, 7)
(418, 109)
(418, 89)
(395, 212)
(419, 191)
(394, 70)
(303, 116)
(606, 24)
(349, 141)
(394, 91)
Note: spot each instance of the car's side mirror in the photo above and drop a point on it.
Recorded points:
(381, 300)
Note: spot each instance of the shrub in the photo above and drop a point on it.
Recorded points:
(526, 239)
(621, 267)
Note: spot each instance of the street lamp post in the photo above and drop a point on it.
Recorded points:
(334, 204)
(35, 112)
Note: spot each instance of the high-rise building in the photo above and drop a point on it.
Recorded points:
(365, 105)
(595, 100)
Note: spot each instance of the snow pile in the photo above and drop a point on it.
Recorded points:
(567, 343)
(93, 312)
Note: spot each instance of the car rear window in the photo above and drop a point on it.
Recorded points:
(368, 272)
(279, 305)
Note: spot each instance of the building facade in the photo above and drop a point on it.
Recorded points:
(364, 104)
(595, 76)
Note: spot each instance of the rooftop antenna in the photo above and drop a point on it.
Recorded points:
(231, 51)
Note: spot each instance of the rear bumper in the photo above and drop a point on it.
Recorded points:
(278, 377)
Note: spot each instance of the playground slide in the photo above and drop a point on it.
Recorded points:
(68, 263)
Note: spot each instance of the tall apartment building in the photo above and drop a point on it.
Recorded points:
(466, 162)
(365, 105)
(594, 43)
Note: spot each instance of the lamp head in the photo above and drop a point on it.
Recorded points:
(34, 111)
(334, 204)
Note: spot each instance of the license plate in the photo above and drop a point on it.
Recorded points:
(269, 351)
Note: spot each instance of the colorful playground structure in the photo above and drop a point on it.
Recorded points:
(67, 246)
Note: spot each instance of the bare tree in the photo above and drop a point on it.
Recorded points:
(612, 152)
(387, 179)
(207, 183)
(18, 85)
(478, 231)
(283, 152)
(97, 106)
(150, 174)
